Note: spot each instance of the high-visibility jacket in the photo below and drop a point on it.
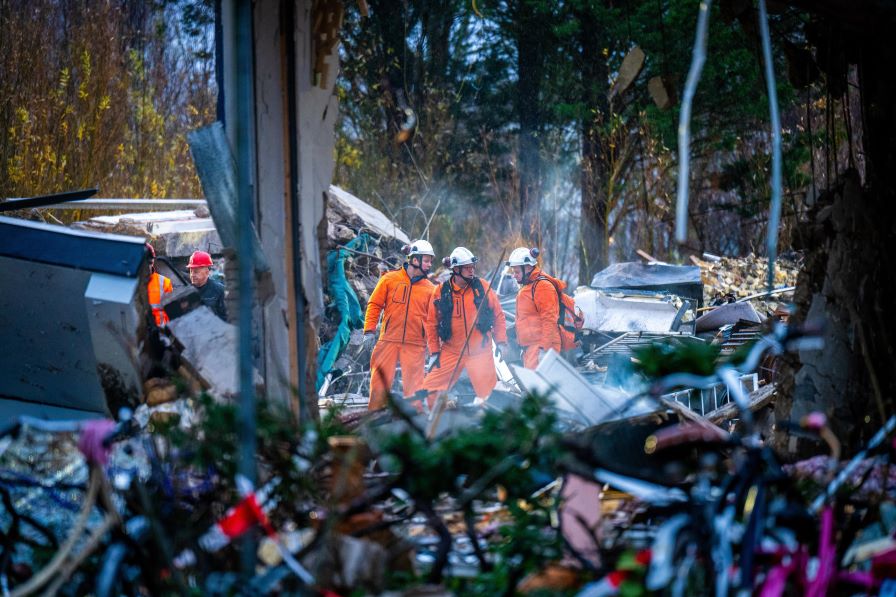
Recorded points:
(463, 320)
(537, 312)
(403, 304)
(158, 287)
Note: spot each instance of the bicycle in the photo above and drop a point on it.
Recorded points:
(703, 533)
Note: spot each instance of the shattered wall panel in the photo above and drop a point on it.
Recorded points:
(272, 176)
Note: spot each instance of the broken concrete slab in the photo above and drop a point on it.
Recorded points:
(175, 233)
(370, 217)
(209, 347)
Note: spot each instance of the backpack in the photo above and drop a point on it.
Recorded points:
(571, 319)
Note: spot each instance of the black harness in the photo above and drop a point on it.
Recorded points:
(445, 309)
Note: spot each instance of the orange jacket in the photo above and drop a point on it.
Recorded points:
(158, 287)
(403, 306)
(462, 321)
(536, 316)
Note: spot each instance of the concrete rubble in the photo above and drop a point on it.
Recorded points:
(175, 234)
(208, 346)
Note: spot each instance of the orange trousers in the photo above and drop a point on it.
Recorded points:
(480, 368)
(383, 360)
(530, 356)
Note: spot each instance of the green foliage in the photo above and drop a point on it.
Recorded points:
(460, 71)
(515, 442)
(516, 450)
(662, 358)
(103, 97)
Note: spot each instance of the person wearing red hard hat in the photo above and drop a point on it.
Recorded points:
(211, 292)
(158, 287)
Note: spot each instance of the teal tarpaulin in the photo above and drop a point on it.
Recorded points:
(347, 305)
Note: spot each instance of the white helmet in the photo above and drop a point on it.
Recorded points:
(523, 256)
(461, 256)
(420, 247)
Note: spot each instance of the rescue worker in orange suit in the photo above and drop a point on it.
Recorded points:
(537, 306)
(158, 287)
(452, 317)
(402, 297)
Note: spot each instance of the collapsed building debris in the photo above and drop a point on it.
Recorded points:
(726, 279)
(362, 243)
(582, 402)
(175, 234)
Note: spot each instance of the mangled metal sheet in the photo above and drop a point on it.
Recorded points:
(617, 312)
(707, 400)
(371, 217)
(728, 313)
(681, 280)
(70, 319)
(579, 400)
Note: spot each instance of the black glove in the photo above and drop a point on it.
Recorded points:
(433, 362)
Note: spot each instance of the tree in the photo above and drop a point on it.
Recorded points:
(108, 97)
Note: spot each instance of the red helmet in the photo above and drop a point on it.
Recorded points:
(200, 259)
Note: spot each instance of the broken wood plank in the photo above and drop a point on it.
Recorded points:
(628, 71)
(758, 399)
(661, 92)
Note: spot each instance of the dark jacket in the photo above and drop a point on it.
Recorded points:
(212, 295)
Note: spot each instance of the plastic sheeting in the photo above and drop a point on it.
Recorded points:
(681, 280)
(347, 305)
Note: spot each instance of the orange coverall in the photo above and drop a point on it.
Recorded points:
(403, 305)
(158, 287)
(476, 357)
(536, 317)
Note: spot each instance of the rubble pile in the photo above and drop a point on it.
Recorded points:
(350, 220)
(735, 278)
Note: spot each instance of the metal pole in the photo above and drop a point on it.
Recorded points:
(774, 215)
(242, 12)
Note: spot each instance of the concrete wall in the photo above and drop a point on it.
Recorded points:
(313, 120)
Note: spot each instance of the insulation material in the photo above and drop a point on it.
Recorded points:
(615, 312)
